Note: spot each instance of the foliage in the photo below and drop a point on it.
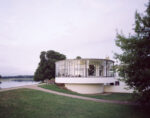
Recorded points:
(0, 76)
(46, 67)
(135, 59)
(78, 57)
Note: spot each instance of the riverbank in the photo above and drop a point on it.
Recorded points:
(16, 82)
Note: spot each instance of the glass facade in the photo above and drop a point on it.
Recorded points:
(84, 68)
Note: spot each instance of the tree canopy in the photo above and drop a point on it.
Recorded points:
(78, 57)
(135, 59)
(46, 67)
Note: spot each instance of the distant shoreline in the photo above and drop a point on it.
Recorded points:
(18, 76)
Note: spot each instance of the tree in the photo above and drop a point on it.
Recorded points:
(0, 76)
(135, 59)
(78, 57)
(46, 67)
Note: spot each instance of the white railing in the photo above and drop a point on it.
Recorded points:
(85, 80)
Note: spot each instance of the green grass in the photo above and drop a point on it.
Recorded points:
(27, 103)
(112, 96)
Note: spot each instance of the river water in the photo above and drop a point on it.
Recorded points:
(16, 82)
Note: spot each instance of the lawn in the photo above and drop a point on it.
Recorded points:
(27, 103)
(112, 96)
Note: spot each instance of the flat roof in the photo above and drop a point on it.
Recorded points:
(86, 59)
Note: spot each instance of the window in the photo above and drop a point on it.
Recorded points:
(91, 70)
(101, 70)
(117, 83)
(112, 84)
(84, 68)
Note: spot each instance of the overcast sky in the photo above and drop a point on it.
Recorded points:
(85, 28)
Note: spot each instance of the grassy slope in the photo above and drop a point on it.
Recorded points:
(26, 103)
(113, 96)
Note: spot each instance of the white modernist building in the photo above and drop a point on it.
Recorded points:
(88, 76)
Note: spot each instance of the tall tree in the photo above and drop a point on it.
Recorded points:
(135, 59)
(46, 67)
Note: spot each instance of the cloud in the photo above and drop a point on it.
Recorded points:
(85, 28)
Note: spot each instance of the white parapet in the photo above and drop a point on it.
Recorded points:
(86, 88)
(86, 80)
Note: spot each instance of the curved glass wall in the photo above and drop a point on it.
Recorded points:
(84, 68)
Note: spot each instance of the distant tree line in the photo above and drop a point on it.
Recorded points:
(17, 76)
